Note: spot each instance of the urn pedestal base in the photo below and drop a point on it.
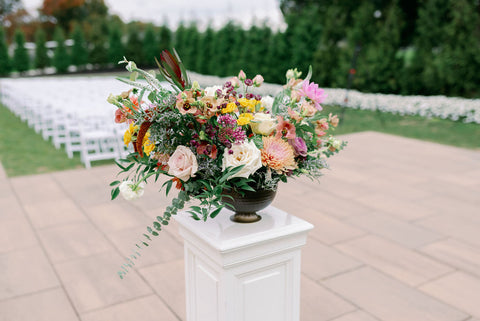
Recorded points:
(243, 272)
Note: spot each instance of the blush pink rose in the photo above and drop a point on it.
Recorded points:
(183, 163)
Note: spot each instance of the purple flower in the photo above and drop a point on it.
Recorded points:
(299, 146)
(311, 92)
(248, 82)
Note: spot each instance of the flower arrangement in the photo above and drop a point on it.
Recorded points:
(208, 140)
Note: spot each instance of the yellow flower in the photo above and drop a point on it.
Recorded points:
(231, 107)
(248, 103)
(127, 137)
(244, 119)
(148, 145)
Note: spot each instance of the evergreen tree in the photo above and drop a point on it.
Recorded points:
(180, 41)
(41, 56)
(116, 50)
(237, 60)
(306, 37)
(165, 41)
(150, 46)
(251, 51)
(326, 59)
(97, 39)
(459, 61)
(223, 50)
(277, 61)
(361, 37)
(60, 56)
(79, 55)
(5, 65)
(192, 39)
(205, 52)
(21, 61)
(430, 38)
(382, 66)
(134, 47)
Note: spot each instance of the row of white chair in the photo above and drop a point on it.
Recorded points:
(71, 112)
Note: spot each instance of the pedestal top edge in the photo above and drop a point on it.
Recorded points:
(224, 235)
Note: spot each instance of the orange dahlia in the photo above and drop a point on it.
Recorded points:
(278, 154)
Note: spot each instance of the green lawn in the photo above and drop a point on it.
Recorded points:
(441, 131)
(23, 152)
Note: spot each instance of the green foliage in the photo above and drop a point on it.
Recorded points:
(304, 37)
(150, 46)
(223, 50)
(278, 59)
(134, 46)
(381, 65)
(430, 37)
(190, 48)
(180, 39)
(41, 57)
(116, 50)
(61, 60)
(79, 56)
(459, 61)
(21, 61)
(5, 65)
(97, 38)
(205, 52)
(165, 38)
(327, 58)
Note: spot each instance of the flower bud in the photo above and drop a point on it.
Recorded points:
(242, 76)
(258, 80)
(235, 82)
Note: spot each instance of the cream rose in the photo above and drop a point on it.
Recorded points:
(243, 154)
(210, 91)
(182, 164)
(267, 102)
(130, 191)
(263, 124)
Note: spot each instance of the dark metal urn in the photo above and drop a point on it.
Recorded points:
(246, 206)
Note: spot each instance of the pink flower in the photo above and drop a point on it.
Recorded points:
(120, 116)
(257, 80)
(299, 146)
(235, 82)
(183, 163)
(284, 128)
(242, 76)
(294, 114)
(278, 154)
(311, 92)
(333, 119)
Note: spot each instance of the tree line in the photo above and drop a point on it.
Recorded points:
(373, 46)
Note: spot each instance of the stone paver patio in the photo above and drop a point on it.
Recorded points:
(396, 238)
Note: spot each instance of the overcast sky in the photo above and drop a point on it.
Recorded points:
(173, 11)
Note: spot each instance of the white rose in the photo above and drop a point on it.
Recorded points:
(243, 154)
(267, 102)
(183, 163)
(337, 143)
(129, 191)
(263, 124)
(210, 91)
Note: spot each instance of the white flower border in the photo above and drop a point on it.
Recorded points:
(453, 108)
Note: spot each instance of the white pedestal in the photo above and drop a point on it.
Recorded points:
(243, 272)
